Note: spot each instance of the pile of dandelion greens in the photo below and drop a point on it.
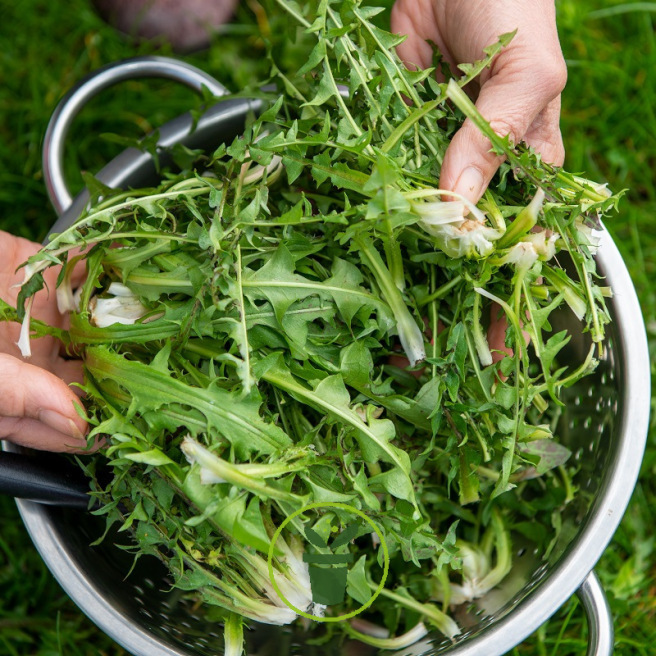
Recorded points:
(303, 318)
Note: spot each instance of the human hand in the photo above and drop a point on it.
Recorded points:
(519, 94)
(37, 407)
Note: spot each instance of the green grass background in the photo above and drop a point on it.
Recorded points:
(609, 126)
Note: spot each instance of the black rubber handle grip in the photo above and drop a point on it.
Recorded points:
(48, 479)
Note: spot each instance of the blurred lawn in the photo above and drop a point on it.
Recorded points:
(609, 124)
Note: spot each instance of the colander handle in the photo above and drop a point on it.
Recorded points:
(81, 93)
(37, 478)
(600, 621)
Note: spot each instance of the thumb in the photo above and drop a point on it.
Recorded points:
(510, 100)
(37, 409)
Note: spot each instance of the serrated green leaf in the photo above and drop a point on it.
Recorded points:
(236, 419)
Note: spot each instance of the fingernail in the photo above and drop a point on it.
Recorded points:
(60, 423)
(470, 184)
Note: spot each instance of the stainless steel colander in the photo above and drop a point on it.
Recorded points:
(604, 424)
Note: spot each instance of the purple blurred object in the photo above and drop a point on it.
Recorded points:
(186, 25)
